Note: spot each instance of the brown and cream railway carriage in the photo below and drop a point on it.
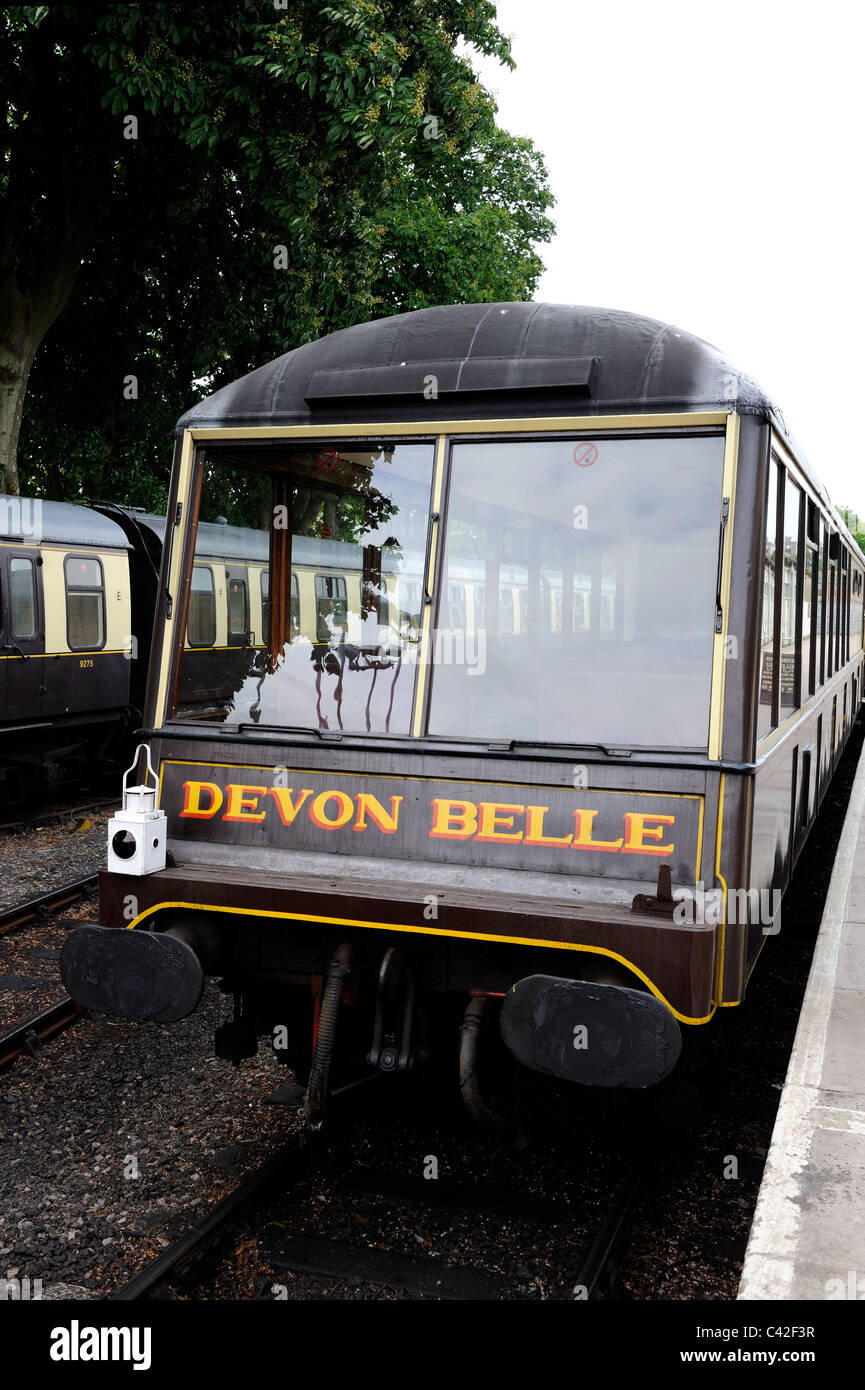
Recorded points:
(67, 682)
(562, 643)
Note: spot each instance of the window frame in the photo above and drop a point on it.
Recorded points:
(200, 445)
(14, 631)
(77, 589)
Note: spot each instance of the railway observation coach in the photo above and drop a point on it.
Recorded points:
(559, 643)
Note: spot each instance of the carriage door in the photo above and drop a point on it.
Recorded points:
(237, 589)
(23, 634)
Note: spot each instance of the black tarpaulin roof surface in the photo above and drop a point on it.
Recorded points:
(485, 359)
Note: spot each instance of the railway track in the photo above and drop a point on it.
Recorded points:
(190, 1260)
(29, 1035)
(37, 909)
(50, 814)
(33, 1032)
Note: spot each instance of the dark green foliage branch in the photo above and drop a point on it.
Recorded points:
(354, 135)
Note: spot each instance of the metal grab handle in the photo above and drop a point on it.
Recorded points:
(433, 522)
(719, 611)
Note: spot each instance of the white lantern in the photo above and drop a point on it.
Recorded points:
(136, 835)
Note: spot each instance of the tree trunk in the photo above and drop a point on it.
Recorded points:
(17, 351)
(24, 320)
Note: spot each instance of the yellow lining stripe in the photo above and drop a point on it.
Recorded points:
(719, 650)
(420, 931)
(43, 656)
(722, 936)
(680, 419)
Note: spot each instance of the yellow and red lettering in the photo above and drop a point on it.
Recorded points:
(637, 832)
(446, 812)
(585, 821)
(192, 808)
(370, 805)
(496, 818)
(243, 802)
(535, 829)
(318, 810)
(287, 808)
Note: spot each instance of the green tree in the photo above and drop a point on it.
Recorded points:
(190, 189)
(853, 522)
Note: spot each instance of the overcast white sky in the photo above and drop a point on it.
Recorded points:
(707, 161)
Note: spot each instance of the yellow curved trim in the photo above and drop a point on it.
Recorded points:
(722, 934)
(423, 931)
(45, 656)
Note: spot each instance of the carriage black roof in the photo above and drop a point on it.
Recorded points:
(63, 523)
(500, 360)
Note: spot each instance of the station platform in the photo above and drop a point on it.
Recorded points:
(808, 1236)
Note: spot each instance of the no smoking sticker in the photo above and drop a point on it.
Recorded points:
(585, 455)
(328, 459)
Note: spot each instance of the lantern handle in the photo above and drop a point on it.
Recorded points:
(150, 772)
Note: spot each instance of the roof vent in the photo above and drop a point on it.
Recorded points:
(454, 375)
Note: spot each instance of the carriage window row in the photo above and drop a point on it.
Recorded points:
(812, 602)
(85, 601)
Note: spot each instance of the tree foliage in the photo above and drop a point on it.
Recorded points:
(355, 136)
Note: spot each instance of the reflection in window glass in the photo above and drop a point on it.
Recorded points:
(264, 584)
(331, 607)
(237, 623)
(23, 590)
(765, 720)
(295, 607)
(201, 623)
(590, 633)
(342, 533)
(457, 606)
(789, 596)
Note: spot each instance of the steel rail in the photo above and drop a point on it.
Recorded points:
(23, 914)
(29, 1036)
(610, 1235)
(176, 1262)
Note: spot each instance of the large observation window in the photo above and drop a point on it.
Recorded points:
(327, 637)
(574, 599)
(583, 576)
